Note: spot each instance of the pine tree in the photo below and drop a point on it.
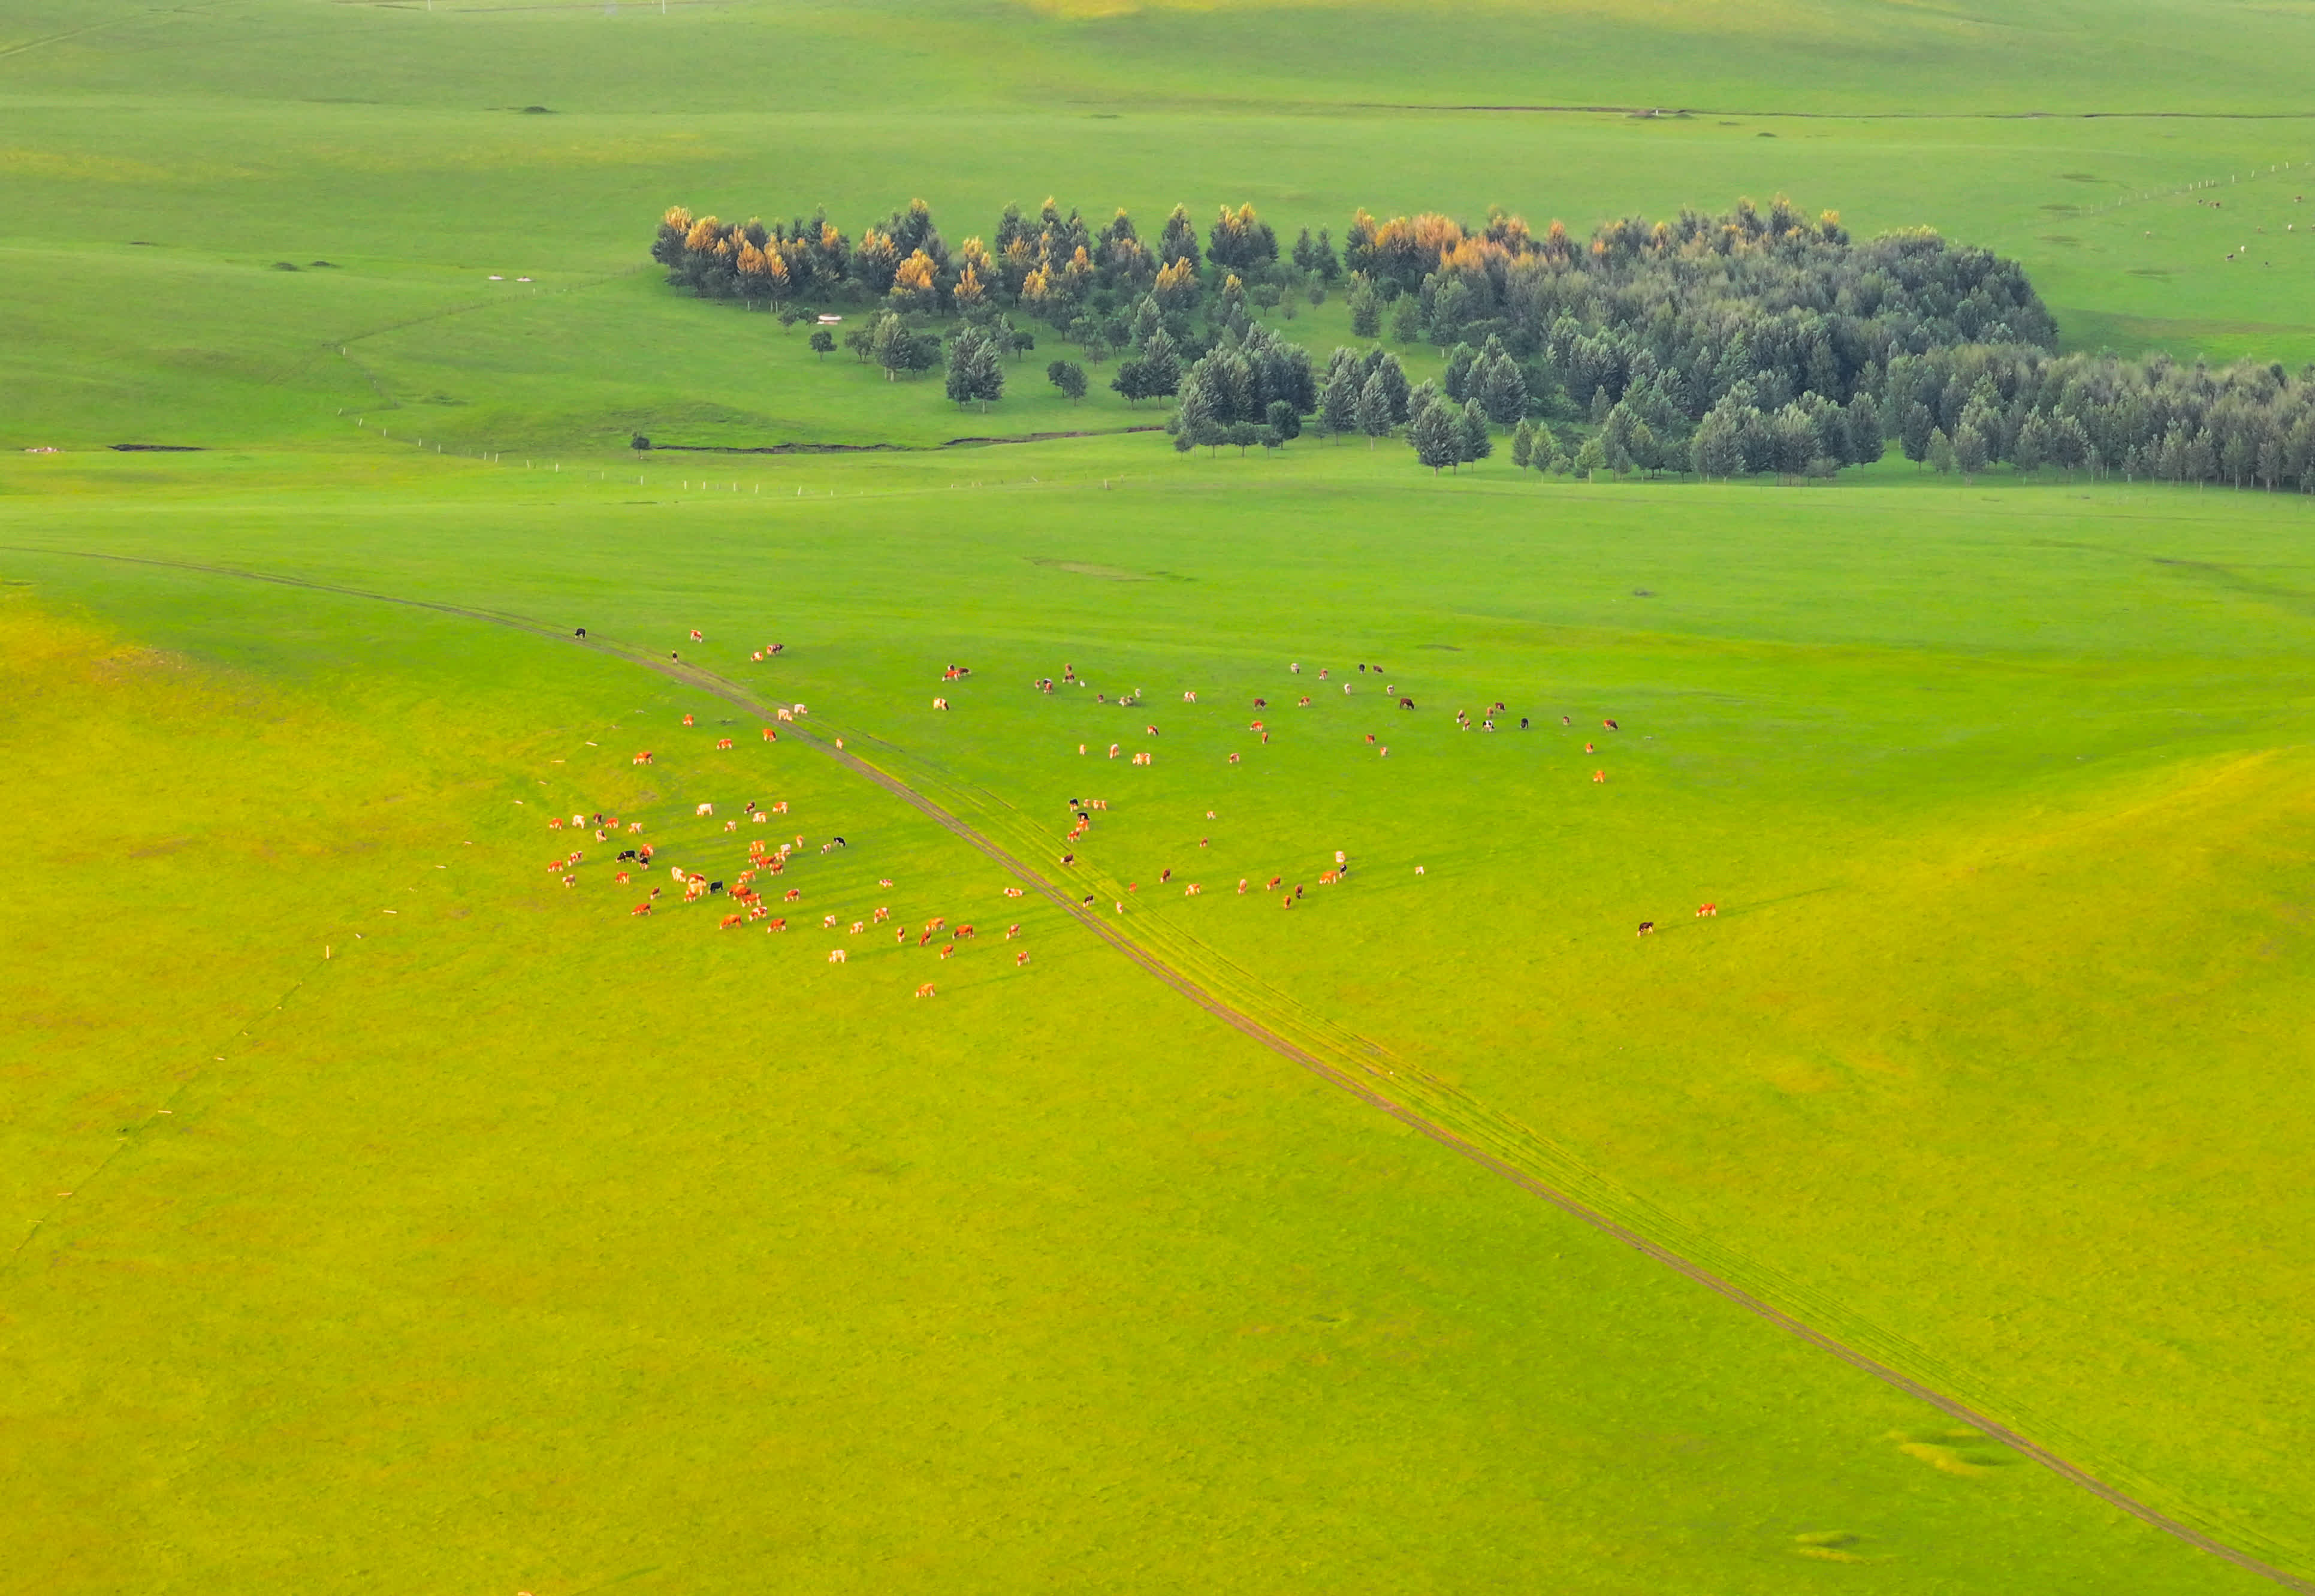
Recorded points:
(1374, 409)
(1970, 452)
(1338, 403)
(1523, 446)
(1437, 435)
(1591, 458)
(1502, 389)
(1069, 377)
(1475, 443)
(1366, 311)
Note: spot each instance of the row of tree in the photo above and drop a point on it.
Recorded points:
(1055, 266)
(2244, 425)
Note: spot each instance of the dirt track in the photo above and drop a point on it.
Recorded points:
(738, 696)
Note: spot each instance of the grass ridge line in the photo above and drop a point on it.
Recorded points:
(1469, 1144)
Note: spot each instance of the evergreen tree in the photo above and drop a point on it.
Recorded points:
(1940, 452)
(1338, 402)
(1436, 433)
(1970, 452)
(1913, 430)
(1591, 458)
(1406, 321)
(1161, 364)
(1366, 310)
(1502, 389)
(1474, 443)
(1523, 446)
(1286, 422)
(1374, 409)
(1069, 377)
(1306, 253)
(1193, 422)
(1865, 441)
(1326, 262)
(1457, 377)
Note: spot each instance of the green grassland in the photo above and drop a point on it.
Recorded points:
(385, 1214)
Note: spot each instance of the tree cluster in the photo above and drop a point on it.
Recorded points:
(2245, 425)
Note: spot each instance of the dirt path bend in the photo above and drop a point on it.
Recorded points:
(1364, 1090)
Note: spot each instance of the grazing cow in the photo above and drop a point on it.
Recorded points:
(1418, 870)
(722, 742)
(1203, 841)
(1325, 878)
(758, 656)
(1385, 754)
(1286, 901)
(687, 719)
(730, 920)
(1648, 927)
(784, 714)
(828, 922)
(1407, 703)
(1069, 858)
(621, 878)
(1189, 697)
(756, 912)
(770, 735)
(731, 825)
(643, 758)
(900, 933)
(781, 807)
(1011, 932)
(1487, 725)
(635, 828)
(793, 893)
(964, 931)
(696, 637)
(1610, 725)
(640, 908)
(1166, 875)
(704, 809)
(1275, 882)
(1152, 730)
(1346, 687)
(580, 633)
(1564, 721)
(1523, 722)
(940, 704)
(947, 948)
(1598, 775)
(1193, 890)
(1020, 957)
(836, 955)
(1371, 737)
(1112, 750)
(777, 648)
(925, 990)
(856, 928)
(1088, 901)
(1303, 702)
(1707, 910)
(1294, 669)
(1587, 747)
(779, 924)
(554, 824)
(882, 914)
(1012, 891)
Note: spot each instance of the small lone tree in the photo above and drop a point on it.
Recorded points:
(822, 341)
(1069, 377)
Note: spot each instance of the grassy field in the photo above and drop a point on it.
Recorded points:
(387, 1214)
